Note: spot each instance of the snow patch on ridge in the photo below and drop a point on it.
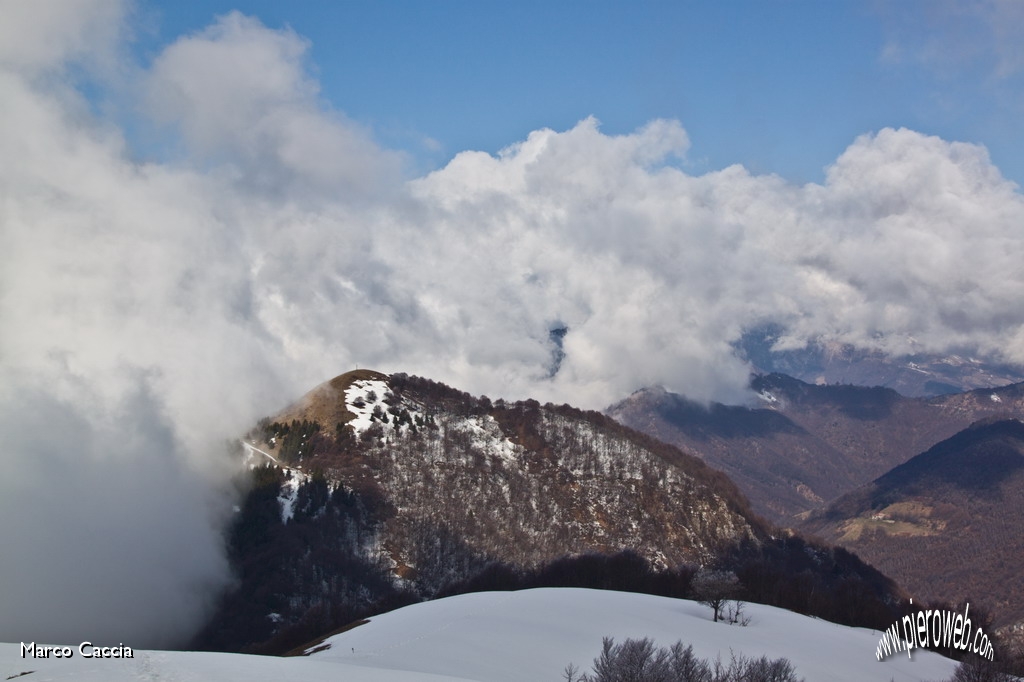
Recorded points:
(360, 399)
(487, 436)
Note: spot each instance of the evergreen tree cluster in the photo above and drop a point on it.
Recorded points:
(290, 442)
(299, 579)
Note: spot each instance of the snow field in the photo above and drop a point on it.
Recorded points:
(526, 636)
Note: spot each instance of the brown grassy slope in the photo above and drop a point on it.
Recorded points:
(325, 404)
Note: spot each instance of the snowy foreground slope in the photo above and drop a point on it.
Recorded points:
(529, 635)
(533, 634)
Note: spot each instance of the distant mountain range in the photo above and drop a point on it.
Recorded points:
(807, 444)
(919, 375)
(930, 490)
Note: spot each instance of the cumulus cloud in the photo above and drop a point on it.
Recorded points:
(151, 311)
(241, 96)
(35, 36)
(109, 536)
(910, 245)
(128, 354)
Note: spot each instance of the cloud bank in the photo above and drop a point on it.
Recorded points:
(151, 310)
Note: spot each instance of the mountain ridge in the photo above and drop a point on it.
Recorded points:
(419, 489)
(805, 444)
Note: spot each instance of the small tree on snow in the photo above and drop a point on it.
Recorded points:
(715, 589)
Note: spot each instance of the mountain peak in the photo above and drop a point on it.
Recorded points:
(410, 489)
(326, 404)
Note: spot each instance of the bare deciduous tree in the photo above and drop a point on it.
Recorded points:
(715, 588)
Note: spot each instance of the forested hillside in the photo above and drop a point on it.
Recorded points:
(373, 491)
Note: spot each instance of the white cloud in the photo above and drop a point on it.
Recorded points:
(38, 36)
(656, 271)
(923, 231)
(150, 311)
(240, 94)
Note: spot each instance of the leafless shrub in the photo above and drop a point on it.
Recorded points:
(638, 660)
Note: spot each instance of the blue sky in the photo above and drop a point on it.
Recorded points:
(780, 87)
